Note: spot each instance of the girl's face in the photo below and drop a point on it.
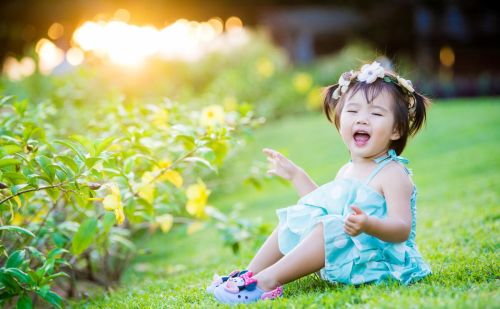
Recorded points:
(367, 129)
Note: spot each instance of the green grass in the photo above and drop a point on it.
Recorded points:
(456, 163)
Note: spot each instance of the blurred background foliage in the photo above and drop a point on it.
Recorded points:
(112, 131)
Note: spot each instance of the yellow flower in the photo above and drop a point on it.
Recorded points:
(165, 221)
(173, 176)
(212, 115)
(119, 215)
(314, 100)
(18, 219)
(197, 195)
(164, 163)
(265, 67)
(302, 82)
(147, 187)
(113, 201)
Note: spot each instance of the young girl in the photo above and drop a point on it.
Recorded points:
(360, 227)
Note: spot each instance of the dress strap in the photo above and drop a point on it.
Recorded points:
(384, 160)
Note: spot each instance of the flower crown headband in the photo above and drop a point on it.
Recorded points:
(368, 74)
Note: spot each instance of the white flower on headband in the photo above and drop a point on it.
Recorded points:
(405, 83)
(370, 72)
(344, 82)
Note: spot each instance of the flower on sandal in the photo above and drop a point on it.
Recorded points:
(245, 281)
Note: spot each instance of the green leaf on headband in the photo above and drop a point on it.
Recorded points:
(387, 79)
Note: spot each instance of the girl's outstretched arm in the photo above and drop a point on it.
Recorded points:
(286, 169)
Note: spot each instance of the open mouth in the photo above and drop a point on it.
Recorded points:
(361, 138)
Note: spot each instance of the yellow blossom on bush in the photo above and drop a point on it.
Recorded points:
(165, 221)
(212, 115)
(197, 195)
(113, 201)
(147, 187)
(18, 219)
(173, 176)
(314, 98)
(302, 82)
(265, 67)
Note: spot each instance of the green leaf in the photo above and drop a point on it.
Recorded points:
(51, 297)
(24, 302)
(90, 162)
(55, 252)
(207, 153)
(14, 176)
(57, 275)
(46, 165)
(108, 221)
(10, 149)
(84, 236)
(85, 142)
(8, 162)
(202, 161)
(100, 147)
(70, 163)
(72, 147)
(5, 99)
(17, 229)
(15, 259)
(187, 141)
(15, 189)
(124, 241)
(20, 275)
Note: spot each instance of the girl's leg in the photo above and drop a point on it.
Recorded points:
(267, 255)
(306, 258)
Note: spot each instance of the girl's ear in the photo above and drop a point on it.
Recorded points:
(395, 134)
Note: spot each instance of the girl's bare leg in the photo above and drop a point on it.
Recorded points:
(267, 255)
(306, 258)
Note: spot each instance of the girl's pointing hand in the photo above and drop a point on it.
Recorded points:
(280, 165)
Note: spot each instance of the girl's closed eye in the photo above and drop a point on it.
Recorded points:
(377, 114)
(352, 111)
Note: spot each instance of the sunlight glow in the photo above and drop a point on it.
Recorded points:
(16, 70)
(131, 45)
(75, 56)
(49, 56)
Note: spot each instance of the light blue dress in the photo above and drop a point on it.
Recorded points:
(360, 259)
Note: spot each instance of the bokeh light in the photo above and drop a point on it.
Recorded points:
(49, 55)
(75, 56)
(233, 23)
(55, 31)
(447, 56)
(16, 70)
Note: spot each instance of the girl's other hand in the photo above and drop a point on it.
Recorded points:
(280, 165)
(356, 222)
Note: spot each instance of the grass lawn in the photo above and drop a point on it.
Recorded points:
(456, 163)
